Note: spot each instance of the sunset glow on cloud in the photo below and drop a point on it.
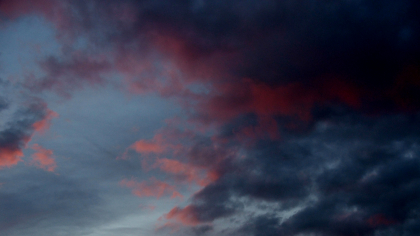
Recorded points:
(43, 158)
(151, 188)
(42, 125)
(10, 157)
(217, 118)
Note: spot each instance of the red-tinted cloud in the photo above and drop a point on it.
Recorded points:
(160, 143)
(146, 147)
(230, 100)
(10, 157)
(156, 150)
(15, 137)
(151, 188)
(65, 76)
(380, 220)
(42, 125)
(43, 158)
(16, 8)
(184, 171)
(56, 11)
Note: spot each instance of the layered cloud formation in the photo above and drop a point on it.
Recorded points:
(296, 117)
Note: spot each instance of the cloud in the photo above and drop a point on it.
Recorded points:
(186, 216)
(65, 76)
(151, 188)
(22, 7)
(18, 132)
(43, 158)
(169, 142)
(340, 179)
(10, 157)
(279, 59)
(311, 106)
(146, 147)
(42, 125)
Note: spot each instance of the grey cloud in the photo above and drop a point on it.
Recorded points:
(363, 184)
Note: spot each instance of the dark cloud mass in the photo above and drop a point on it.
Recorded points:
(349, 178)
(357, 53)
(17, 132)
(311, 107)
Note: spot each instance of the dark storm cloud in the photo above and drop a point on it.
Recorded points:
(363, 172)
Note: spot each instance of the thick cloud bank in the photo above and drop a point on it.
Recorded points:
(298, 117)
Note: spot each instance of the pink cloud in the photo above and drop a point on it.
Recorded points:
(146, 147)
(183, 171)
(10, 156)
(176, 143)
(151, 188)
(42, 125)
(43, 158)
(159, 144)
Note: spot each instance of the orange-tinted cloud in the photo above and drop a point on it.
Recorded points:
(43, 125)
(151, 188)
(43, 158)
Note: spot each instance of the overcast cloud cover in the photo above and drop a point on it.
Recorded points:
(200, 117)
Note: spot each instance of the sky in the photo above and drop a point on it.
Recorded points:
(209, 117)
